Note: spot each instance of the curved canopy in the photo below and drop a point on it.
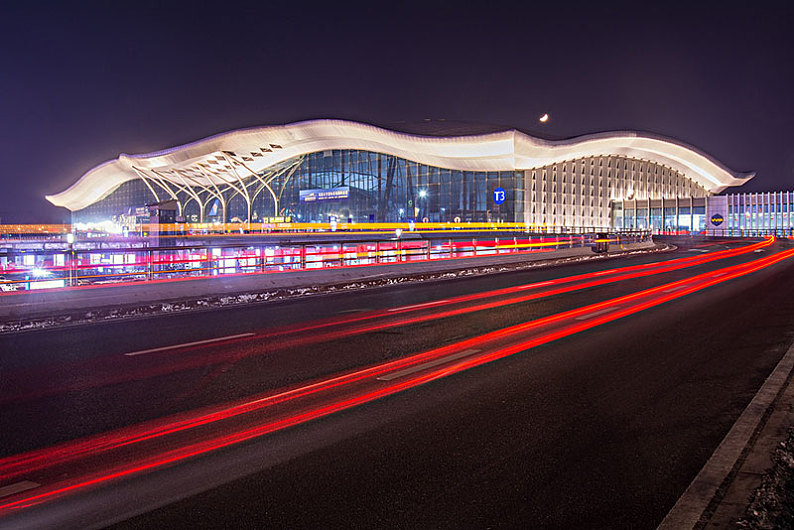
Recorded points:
(223, 158)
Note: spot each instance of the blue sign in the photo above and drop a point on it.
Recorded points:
(499, 195)
(717, 219)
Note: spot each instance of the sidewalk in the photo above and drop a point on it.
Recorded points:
(757, 460)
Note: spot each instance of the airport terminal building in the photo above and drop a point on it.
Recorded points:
(318, 170)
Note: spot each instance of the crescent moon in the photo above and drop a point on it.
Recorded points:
(544, 118)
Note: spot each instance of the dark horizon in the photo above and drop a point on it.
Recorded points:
(84, 83)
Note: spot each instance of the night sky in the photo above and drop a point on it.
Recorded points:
(81, 83)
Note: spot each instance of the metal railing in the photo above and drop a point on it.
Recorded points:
(58, 268)
(145, 231)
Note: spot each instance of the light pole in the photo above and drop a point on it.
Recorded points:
(70, 241)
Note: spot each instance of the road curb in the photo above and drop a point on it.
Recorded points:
(722, 488)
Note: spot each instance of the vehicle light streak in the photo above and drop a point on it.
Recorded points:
(369, 379)
(647, 268)
(665, 266)
(351, 325)
(622, 274)
(382, 254)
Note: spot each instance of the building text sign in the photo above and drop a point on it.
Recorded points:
(327, 194)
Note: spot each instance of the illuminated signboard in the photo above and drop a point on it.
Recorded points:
(47, 284)
(327, 194)
(717, 219)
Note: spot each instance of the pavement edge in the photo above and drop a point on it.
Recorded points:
(706, 492)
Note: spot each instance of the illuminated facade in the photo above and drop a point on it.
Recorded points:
(744, 214)
(318, 170)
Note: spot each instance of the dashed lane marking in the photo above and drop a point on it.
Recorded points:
(416, 306)
(429, 364)
(596, 313)
(18, 487)
(533, 285)
(186, 344)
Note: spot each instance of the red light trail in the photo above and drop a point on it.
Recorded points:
(199, 432)
(163, 361)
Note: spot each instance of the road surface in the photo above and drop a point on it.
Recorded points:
(582, 396)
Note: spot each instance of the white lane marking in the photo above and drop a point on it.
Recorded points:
(429, 364)
(718, 275)
(697, 250)
(426, 304)
(533, 285)
(361, 310)
(759, 250)
(674, 289)
(18, 487)
(186, 344)
(591, 315)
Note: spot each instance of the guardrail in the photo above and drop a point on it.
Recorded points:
(47, 269)
(741, 232)
(149, 230)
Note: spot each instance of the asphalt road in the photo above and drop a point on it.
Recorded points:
(600, 429)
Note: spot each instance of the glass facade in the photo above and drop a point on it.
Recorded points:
(349, 185)
(125, 200)
(665, 215)
(374, 187)
(360, 186)
(760, 213)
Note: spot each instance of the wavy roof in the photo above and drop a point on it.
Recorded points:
(215, 159)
